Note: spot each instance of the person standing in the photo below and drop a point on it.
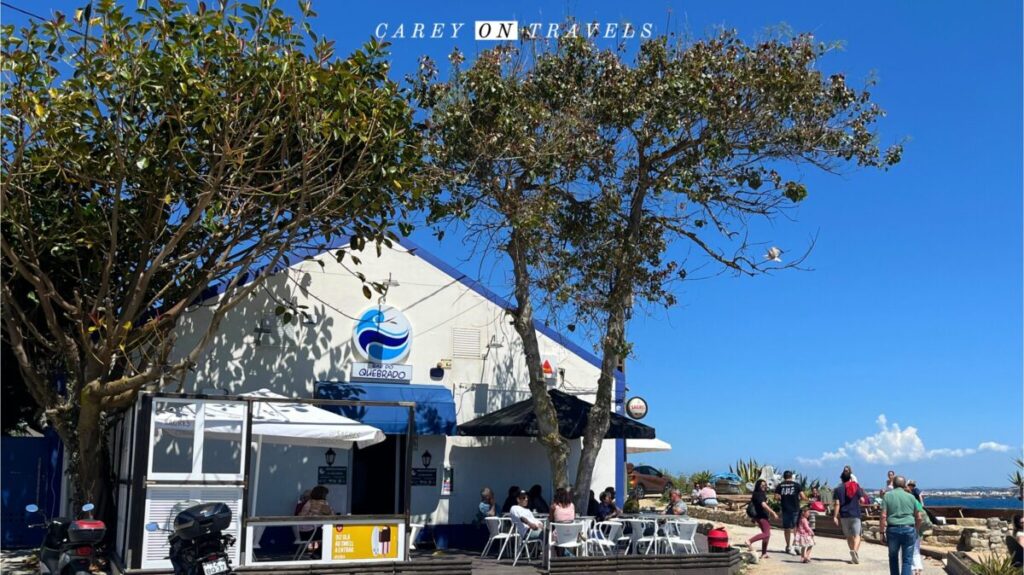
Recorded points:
(901, 520)
(790, 493)
(912, 488)
(805, 535)
(888, 482)
(846, 511)
(759, 500)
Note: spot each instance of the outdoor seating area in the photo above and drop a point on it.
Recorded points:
(635, 534)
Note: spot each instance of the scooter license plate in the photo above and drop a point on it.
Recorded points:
(215, 567)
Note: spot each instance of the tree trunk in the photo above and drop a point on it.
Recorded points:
(599, 418)
(547, 419)
(619, 303)
(92, 466)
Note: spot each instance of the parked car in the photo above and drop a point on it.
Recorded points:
(644, 479)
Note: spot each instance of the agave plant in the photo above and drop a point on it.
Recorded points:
(994, 564)
(749, 471)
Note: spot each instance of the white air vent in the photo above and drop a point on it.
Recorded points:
(466, 343)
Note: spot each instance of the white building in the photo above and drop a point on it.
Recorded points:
(456, 324)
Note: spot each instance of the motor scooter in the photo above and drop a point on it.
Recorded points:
(70, 546)
(198, 544)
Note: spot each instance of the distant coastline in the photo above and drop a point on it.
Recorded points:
(973, 502)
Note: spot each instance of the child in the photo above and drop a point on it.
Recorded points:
(805, 535)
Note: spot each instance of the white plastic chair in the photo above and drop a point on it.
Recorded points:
(498, 529)
(637, 538)
(523, 544)
(568, 536)
(681, 533)
(607, 536)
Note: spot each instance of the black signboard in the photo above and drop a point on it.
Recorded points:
(424, 477)
(332, 475)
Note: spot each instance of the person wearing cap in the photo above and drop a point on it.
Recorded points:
(528, 525)
(912, 488)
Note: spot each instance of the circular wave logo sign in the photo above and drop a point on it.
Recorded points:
(383, 335)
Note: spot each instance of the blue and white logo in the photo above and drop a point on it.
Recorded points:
(383, 335)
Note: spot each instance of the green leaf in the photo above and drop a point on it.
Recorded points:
(366, 292)
(142, 163)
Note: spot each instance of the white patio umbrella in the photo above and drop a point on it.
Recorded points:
(646, 445)
(274, 422)
(288, 423)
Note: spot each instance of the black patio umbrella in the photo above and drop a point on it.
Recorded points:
(518, 420)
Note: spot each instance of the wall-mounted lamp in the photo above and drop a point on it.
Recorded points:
(329, 457)
(426, 459)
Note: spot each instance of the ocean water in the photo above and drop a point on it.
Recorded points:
(974, 503)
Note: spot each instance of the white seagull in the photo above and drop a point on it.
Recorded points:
(773, 254)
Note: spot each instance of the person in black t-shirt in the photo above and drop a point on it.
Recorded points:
(761, 512)
(790, 493)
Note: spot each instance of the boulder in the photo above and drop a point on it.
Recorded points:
(993, 523)
(947, 530)
(972, 522)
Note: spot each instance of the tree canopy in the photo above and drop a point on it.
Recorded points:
(151, 156)
(597, 161)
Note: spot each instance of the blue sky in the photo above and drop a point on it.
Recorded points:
(913, 308)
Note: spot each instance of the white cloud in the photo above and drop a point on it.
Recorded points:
(892, 445)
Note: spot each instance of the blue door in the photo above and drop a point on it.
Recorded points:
(30, 473)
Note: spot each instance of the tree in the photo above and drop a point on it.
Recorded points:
(683, 145)
(503, 151)
(703, 132)
(150, 157)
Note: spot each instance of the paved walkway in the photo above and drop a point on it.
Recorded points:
(830, 556)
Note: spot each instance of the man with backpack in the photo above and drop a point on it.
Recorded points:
(789, 493)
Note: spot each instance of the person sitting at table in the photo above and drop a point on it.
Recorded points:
(695, 494)
(301, 502)
(592, 505)
(317, 505)
(708, 496)
(607, 509)
(676, 505)
(528, 525)
(486, 508)
(513, 493)
(563, 508)
(537, 503)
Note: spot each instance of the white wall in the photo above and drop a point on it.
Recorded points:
(293, 359)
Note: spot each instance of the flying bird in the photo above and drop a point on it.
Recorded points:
(773, 254)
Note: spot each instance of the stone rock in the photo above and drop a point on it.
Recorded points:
(947, 539)
(978, 543)
(947, 530)
(972, 522)
(993, 523)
